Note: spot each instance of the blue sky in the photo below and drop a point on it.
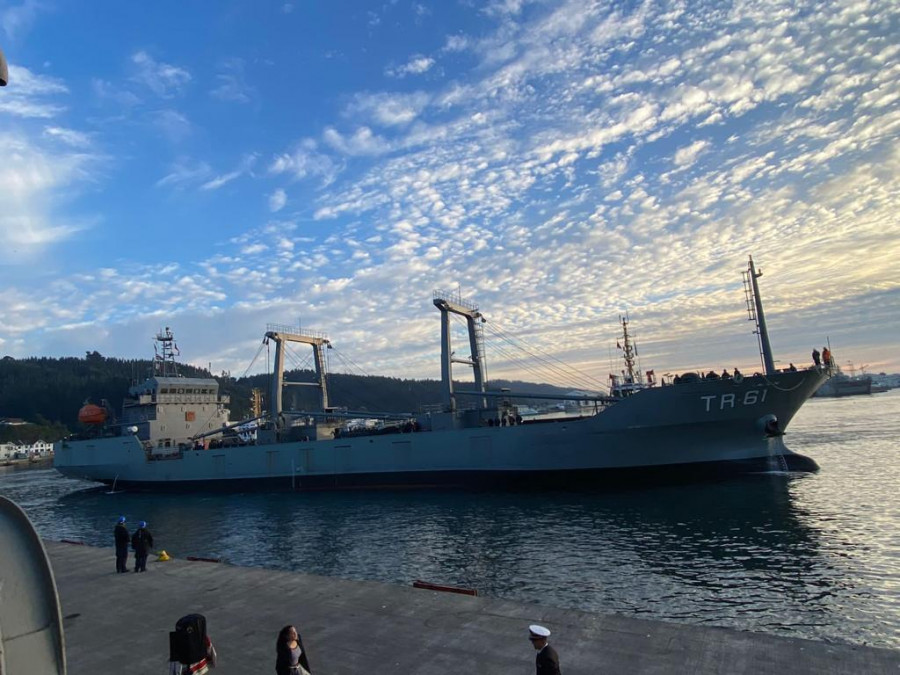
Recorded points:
(215, 167)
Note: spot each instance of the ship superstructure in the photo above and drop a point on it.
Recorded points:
(167, 410)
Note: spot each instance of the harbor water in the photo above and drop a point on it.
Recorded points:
(801, 555)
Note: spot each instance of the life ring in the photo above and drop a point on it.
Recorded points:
(738, 378)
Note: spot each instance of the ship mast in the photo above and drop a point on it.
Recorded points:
(755, 310)
(629, 351)
(164, 345)
(318, 341)
(454, 303)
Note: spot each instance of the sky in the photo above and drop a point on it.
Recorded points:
(217, 167)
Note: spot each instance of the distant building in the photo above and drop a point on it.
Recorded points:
(11, 451)
(14, 450)
(41, 449)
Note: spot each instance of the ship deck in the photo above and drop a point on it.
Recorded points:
(115, 622)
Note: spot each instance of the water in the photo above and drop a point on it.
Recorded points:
(812, 556)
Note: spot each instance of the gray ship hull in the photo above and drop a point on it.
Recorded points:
(841, 385)
(688, 429)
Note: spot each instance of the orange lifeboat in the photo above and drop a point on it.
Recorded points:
(92, 414)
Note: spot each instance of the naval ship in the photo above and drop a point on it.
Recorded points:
(840, 385)
(174, 433)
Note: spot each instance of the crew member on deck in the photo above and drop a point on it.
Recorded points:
(816, 360)
(547, 661)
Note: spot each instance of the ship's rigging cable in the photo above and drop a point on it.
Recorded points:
(359, 391)
(553, 376)
(262, 345)
(296, 361)
(347, 361)
(550, 376)
(364, 392)
(553, 364)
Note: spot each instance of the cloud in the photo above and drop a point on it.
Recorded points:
(417, 65)
(388, 109)
(106, 91)
(220, 181)
(70, 137)
(688, 155)
(27, 93)
(17, 21)
(361, 142)
(188, 173)
(185, 172)
(245, 167)
(504, 7)
(305, 161)
(163, 79)
(232, 83)
(277, 200)
(34, 178)
(173, 124)
(456, 43)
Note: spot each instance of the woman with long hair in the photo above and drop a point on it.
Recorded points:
(290, 654)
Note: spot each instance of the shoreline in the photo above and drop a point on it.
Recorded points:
(41, 463)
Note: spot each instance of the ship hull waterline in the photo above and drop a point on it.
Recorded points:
(686, 431)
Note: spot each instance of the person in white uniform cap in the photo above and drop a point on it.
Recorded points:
(547, 661)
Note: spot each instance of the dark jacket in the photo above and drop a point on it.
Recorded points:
(141, 540)
(547, 661)
(121, 534)
(283, 659)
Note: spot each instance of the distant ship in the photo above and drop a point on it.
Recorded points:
(174, 432)
(839, 385)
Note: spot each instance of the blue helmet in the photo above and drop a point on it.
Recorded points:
(121, 519)
(143, 523)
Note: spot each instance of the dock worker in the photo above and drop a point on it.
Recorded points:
(120, 533)
(141, 542)
(547, 661)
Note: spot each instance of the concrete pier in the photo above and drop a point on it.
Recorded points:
(121, 622)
